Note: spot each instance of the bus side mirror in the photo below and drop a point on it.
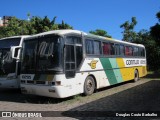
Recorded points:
(15, 52)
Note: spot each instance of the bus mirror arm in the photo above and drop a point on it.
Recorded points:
(15, 51)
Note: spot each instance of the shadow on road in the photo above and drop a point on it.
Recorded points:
(144, 97)
(134, 96)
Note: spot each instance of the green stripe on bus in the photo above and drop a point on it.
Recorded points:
(107, 65)
(116, 71)
(112, 70)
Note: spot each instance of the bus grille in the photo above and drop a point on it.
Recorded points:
(40, 82)
(30, 82)
(33, 82)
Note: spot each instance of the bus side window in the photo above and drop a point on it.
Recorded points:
(128, 51)
(97, 47)
(112, 49)
(122, 51)
(117, 49)
(106, 49)
(141, 52)
(135, 51)
(89, 46)
(93, 47)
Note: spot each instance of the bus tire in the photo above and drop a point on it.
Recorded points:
(136, 76)
(89, 86)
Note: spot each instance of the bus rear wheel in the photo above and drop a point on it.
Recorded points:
(89, 85)
(136, 76)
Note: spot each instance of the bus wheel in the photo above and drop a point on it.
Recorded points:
(89, 85)
(136, 76)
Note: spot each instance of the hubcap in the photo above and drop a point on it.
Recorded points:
(89, 85)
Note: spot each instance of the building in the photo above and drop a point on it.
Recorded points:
(4, 20)
(1, 22)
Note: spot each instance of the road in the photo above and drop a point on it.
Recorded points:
(143, 95)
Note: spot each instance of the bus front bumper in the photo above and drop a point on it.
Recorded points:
(5, 83)
(48, 91)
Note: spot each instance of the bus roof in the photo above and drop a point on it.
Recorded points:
(61, 32)
(69, 31)
(114, 40)
(22, 36)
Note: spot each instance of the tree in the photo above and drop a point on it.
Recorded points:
(155, 33)
(155, 30)
(100, 32)
(128, 33)
(33, 26)
(64, 25)
(152, 50)
(151, 40)
(158, 16)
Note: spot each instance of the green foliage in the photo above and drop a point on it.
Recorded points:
(151, 40)
(63, 25)
(31, 26)
(152, 49)
(100, 33)
(158, 16)
(128, 33)
(155, 33)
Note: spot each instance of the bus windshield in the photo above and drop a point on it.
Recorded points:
(7, 64)
(42, 54)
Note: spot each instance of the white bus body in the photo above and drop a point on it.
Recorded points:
(64, 63)
(9, 67)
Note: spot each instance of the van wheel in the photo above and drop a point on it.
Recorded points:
(89, 85)
(136, 76)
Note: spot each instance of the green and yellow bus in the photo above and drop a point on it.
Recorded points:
(64, 63)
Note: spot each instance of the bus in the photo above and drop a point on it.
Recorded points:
(64, 63)
(9, 67)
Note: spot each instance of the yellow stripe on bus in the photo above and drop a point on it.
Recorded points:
(128, 72)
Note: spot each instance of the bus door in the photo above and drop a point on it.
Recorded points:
(73, 55)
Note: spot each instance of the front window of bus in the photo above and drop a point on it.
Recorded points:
(7, 64)
(43, 54)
